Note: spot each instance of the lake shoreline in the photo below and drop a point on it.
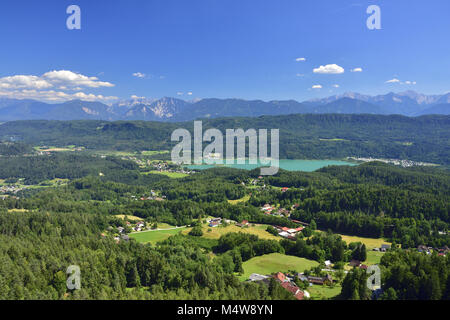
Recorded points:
(285, 164)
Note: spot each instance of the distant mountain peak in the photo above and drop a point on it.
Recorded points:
(408, 103)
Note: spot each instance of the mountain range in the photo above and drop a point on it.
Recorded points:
(407, 103)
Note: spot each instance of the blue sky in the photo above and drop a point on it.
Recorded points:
(221, 48)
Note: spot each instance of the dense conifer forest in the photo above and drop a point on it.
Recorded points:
(44, 228)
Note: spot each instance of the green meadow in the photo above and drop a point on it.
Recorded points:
(173, 175)
(275, 262)
(154, 236)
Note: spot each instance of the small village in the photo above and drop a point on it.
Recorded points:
(289, 282)
(11, 189)
(164, 166)
(396, 162)
(153, 196)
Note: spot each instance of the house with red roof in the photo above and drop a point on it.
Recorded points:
(296, 292)
(280, 277)
(299, 295)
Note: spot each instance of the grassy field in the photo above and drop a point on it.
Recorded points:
(275, 262)
(369, 242)
(373, 257)
(18, 210)
(153, 152)
(154, 236)
(334, 139)
(162, 225)
(244, 199)
(217, 232)
(56, 149)
(130, 218)
(324, 292)
(114, 153)
(54, 182)
(174, 175)
(43, 184)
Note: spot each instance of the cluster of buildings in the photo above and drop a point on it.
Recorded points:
(136, 227)
(243, 224)
(164, 167)
(288, 283)
(316, 280)
(139, 226)
(272, 210)
(428, 250)
(214, 222)
(288, 233)
(261, 183)
(397, 162)
(153, 196)
(123, 237)
(11, 189)
(357, 264)
(383, 248)
(43, 153)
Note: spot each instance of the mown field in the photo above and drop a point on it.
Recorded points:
(57, 149)
(153, 236)
(217, 232)
(275, 262)
(153, 152)
(174, 175)
(369, 242)
(128, 217)
(243, 199)
(318, 292)
(373, 257)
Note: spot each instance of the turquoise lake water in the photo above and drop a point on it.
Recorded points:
(289, 165)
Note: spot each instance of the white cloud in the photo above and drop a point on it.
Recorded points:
(335, 86)
(395, 80)
(72, 79)
(407, 82)
(189, 93)
(52, 87)
(139, 75)
(54, 96)
(300, 59)
(356, 70)
(23, 81)
(329, 69)
(316, 86)
(179, 93)
(300, 75)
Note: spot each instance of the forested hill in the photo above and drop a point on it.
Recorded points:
(302, 136)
